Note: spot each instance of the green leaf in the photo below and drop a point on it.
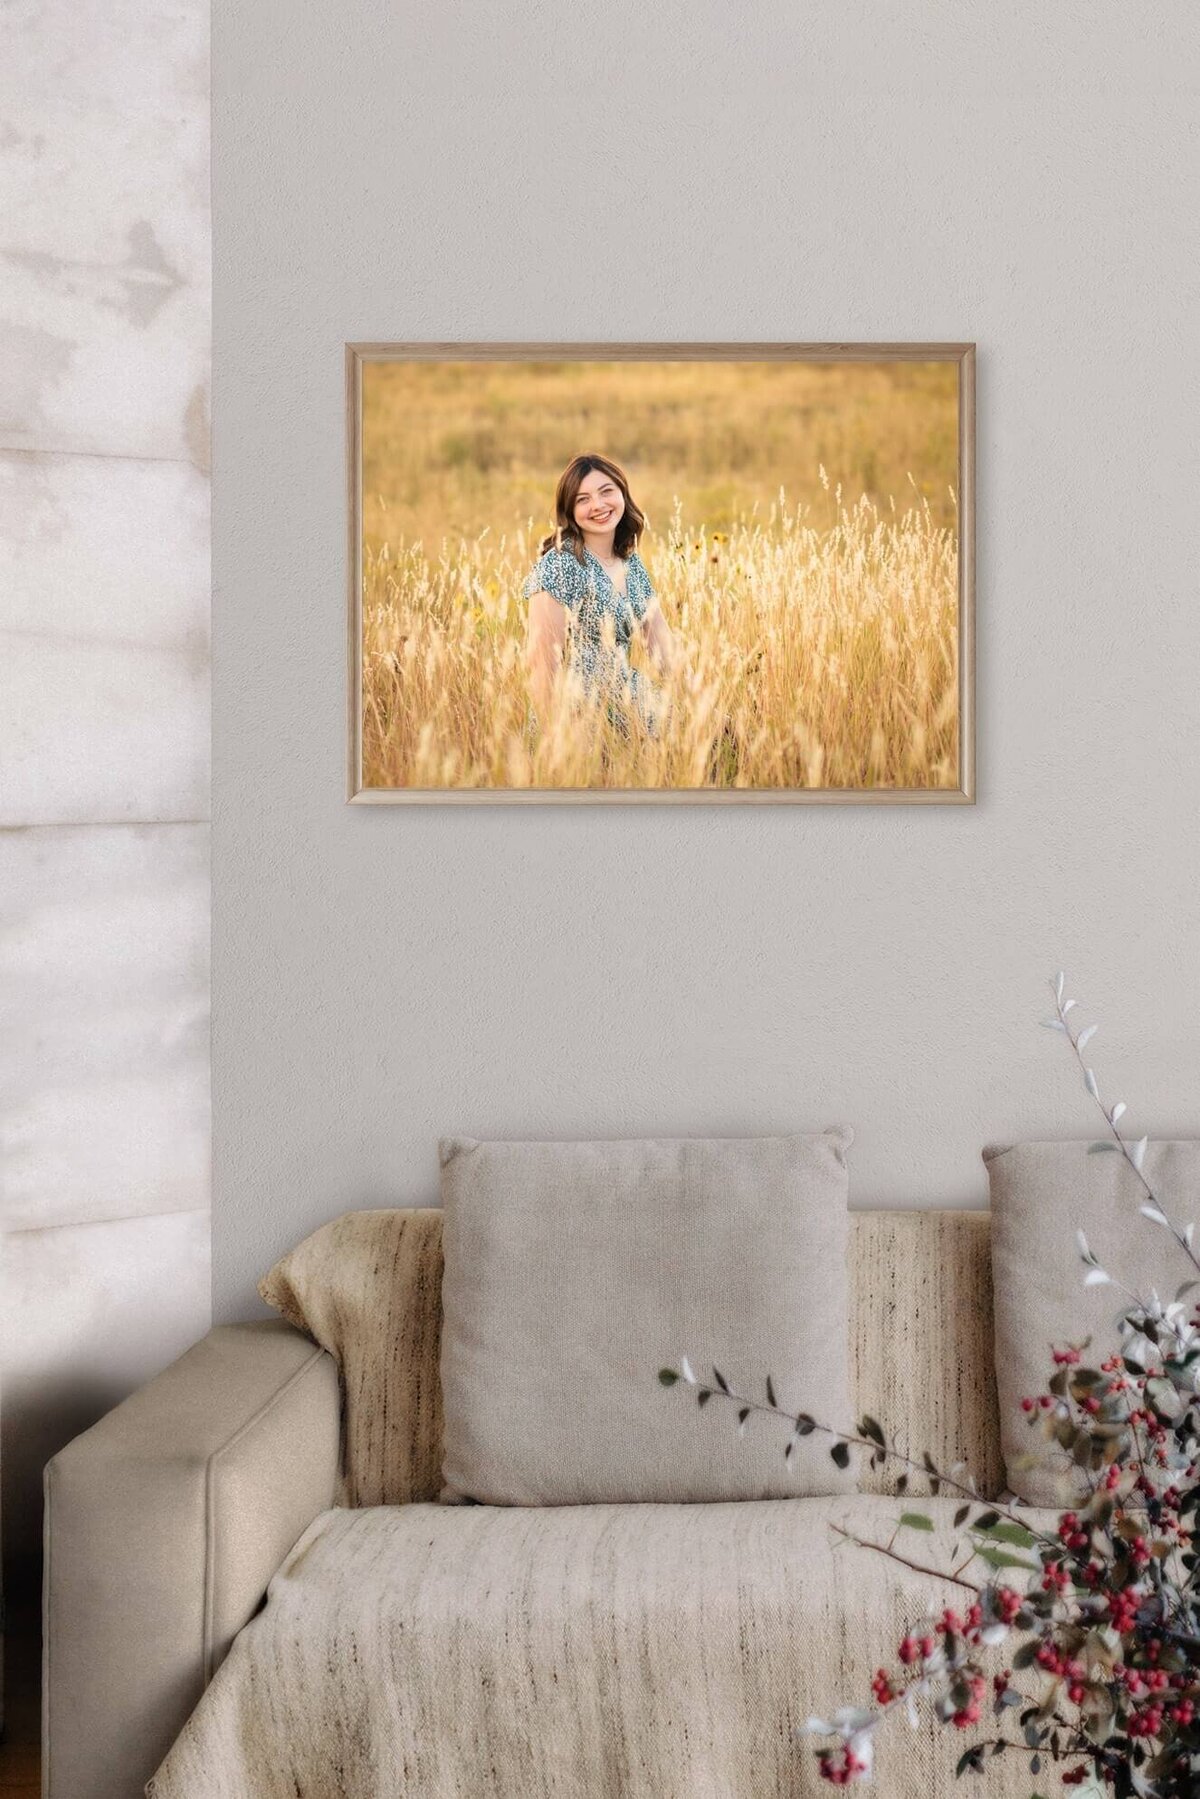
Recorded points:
(720, 1380)
(805, 1426)
(771, 1400)
(1008, 1533)
(704, 1395)
(869, 1428)
(667, 1376)
(1101, 1149)
(916, 1521)
(1000, 1558)
(841, 1455)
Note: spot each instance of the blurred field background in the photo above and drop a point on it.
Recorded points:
(802, 537)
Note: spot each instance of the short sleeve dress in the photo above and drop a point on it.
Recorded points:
(596, 608)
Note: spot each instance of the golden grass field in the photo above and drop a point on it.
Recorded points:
(802, 539)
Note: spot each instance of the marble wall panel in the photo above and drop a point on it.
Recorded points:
(105, 354)
(104, 1093)
(104, 234)
(89, 1312)
(104, 653)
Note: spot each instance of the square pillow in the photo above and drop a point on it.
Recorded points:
(574, 1272)
(1042, 1193)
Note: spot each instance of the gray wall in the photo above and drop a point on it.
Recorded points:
(1024, 176)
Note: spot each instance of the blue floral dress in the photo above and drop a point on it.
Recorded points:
(587, 591)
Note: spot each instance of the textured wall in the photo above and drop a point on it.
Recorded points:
(1022, 176)
(104, 741)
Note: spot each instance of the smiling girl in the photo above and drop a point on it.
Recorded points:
(588, 594)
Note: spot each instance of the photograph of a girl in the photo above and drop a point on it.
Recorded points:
(590, 593)
(714, 577)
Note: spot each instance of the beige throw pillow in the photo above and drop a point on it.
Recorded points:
(1042, 1194)
(574, 1272)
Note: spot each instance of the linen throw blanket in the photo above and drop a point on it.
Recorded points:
(594, 1652)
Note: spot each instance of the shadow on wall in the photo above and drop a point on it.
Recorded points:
(39, 1417)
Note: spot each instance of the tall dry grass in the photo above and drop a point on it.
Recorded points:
(451, 447)
(814, 648)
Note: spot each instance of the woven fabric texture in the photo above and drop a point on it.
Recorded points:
(617, 1652)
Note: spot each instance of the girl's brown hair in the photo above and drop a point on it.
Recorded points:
(566, 534)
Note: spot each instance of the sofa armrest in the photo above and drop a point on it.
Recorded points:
(164, 1523)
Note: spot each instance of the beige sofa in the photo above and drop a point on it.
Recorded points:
(433, 1651)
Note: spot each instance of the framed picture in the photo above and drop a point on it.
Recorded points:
(672, 572)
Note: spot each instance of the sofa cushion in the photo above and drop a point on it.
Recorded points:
(623, 1652)
(1042, 1194)
(574, 1272)
(368, 1287)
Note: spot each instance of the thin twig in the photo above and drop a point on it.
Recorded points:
(894, 1556)
(1121, 1144)
(894, 1455)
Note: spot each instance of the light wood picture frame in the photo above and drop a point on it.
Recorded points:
(661, 572)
